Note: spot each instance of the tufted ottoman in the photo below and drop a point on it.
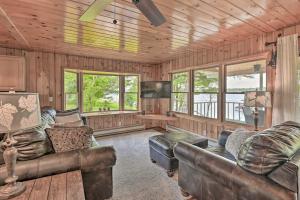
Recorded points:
(161, 148)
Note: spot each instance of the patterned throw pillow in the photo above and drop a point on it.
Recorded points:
(270, 148)
(236, 139)
(70, 138)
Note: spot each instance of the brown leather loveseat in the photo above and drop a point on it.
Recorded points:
(210, 173)
(95, 163)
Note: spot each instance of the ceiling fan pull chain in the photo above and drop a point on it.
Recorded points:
(115, 21)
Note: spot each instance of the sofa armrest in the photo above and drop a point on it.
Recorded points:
(287, 175)
(228, 173)
(91, 159)
(199, 158)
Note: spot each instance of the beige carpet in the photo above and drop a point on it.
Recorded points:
(135, 177)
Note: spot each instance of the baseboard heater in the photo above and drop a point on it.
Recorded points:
(114, 131)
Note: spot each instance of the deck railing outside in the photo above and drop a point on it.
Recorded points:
(234, 110)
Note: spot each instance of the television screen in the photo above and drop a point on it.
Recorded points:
(156, 89)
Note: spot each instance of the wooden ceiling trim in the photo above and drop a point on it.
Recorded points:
(11, 27)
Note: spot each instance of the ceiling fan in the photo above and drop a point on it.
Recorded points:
(147, 7)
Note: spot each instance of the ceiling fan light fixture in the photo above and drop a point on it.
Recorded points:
(150, 11)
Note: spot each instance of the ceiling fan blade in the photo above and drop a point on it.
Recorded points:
(148, 8)
(91, 13)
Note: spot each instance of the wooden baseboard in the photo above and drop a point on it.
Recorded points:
(114, 131)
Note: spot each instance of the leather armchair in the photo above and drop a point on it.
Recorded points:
(206, 175)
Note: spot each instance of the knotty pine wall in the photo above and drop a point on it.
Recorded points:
(44, 72)
(249, 48)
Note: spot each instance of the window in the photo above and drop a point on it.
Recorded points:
(240, 78)
(131, 93)
(180, 92)
(205, 92)
(100, 91)
(70, 90)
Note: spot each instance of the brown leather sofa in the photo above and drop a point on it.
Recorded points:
(212, 173)
(95, 164)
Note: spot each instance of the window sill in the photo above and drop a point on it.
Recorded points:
(93, 114)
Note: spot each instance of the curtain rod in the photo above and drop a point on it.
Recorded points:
(275, 43)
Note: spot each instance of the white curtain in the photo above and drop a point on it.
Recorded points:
(286, 104)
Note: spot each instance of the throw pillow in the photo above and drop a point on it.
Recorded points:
(236, 139)
(67, 118)
(67, 139)
(32, 143)
(70, 124)
(67, 112)
(268, 149)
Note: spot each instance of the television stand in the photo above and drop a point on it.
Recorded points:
(157, 117)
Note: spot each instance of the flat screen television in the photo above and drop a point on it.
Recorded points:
(156, 89)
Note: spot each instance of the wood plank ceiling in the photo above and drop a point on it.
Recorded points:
(53, 25)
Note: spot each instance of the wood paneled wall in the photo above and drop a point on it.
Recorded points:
(245, 49)
(44, 72)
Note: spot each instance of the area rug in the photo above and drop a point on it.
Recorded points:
(135, 177)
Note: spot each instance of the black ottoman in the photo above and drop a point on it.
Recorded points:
(161, 148)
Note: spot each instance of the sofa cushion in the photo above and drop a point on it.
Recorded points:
(236, 139)
(70, 138)
(268, 149)
(221, 151)
(223, 137)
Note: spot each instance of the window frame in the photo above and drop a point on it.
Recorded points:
(98, 74)
(224, 119)
(188, 93)
(217, 93)
(80, 75)
(78, 88)
(137, 92)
